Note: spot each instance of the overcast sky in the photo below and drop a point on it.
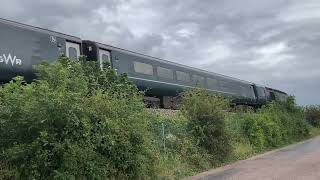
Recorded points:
(270, 42)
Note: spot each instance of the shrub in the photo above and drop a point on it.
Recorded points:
(74, 122)
(275, 124)
(313, 115)
(206, 115)
(254, 131)
(181, 156)
(78, 122)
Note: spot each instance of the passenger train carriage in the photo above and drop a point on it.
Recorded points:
(22, 46)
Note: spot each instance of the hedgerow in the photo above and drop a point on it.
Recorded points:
(274, 125)
(74, 122)
(227, 135)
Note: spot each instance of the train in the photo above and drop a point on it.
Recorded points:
(22, 46)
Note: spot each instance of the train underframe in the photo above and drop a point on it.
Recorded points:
(174, 102)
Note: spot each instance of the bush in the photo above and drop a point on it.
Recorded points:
(254, 131)
(74, 122)
(313, 115)
(181, 156)
(275, 124)
(78, 122)
(206, 115)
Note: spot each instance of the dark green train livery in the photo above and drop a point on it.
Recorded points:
(22, 46)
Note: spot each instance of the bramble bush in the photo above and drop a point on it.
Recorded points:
(74, 122)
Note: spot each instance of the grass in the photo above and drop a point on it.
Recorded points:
(242, 151)
(314, 132)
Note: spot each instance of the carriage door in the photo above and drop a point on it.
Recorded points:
(104, 58)
(72, 50)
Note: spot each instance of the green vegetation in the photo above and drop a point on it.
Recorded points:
(313, 115)
(74, 122)
(206, 122)
(78, 122)
(274, 125)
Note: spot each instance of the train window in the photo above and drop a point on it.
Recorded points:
(243, 91)
(182, 76)
(246, 91)
(225, 86)
(272, 96)
(212, 83)
(104, 58)
(165, 73)
(143, 68)
(198, 80)
(261, 92)
(234, 88)
(280, 96)
(72, 53)
(72, 50)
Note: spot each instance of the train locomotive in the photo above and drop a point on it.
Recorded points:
(22, 46)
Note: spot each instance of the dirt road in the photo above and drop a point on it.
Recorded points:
(296, 162)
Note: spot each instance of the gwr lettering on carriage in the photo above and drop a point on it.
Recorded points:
(10, 60)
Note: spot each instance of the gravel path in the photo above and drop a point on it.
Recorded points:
(296, 162)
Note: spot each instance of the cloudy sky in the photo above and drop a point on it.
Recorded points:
(271, 42)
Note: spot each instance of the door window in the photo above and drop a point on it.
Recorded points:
(104, 58)
(72, 50)
(72, 53)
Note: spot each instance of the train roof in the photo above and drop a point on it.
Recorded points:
(106, 46)
(40, 30)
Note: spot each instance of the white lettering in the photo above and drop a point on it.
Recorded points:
(18, 62)
(9, 59)
(6, 59)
